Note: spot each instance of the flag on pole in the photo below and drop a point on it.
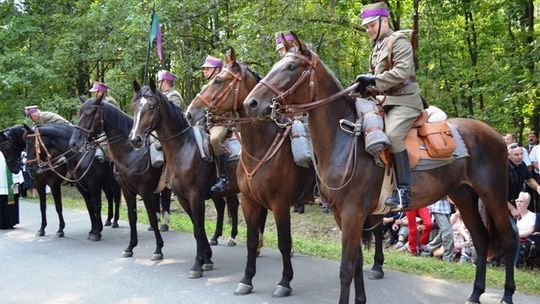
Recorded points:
(154, 28)
(158, 44)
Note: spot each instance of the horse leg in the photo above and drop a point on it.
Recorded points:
(219, 203)
(117, 194)
(508, 239)
(466, 201)
(263, 213)
(57, 196)
(95, 197)
(110, 210)
(43, 208)
(282, 217)
(232, 208)
(203, 260)
(352, 222)
(378, 260)
(88, 202)
(150, 203)
(165, 200)
(131, 204)
(252, 214)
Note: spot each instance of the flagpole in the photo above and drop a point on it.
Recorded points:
(148, 50)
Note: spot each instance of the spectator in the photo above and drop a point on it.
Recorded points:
(532, 140)
(441, 211)
(517, 176)
(535, 173)
(401, 225)
(510, 138)
(463, 246)
(388, 222)
(9, 195)
(527, 220)
(423, 213)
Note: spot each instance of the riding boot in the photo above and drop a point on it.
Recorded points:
(401, 197)
(223, 176)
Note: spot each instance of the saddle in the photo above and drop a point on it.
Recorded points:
(232, 145)
(432, 141)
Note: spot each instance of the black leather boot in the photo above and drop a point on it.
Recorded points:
(402, 195)
(223, 176)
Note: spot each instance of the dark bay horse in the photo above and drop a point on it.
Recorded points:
(132, 167)
(47, 147)
(301, 82)
(13, 143)
(190, 176)
(274, 182)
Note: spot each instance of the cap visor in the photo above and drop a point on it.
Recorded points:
(92, 90)
(369, 20)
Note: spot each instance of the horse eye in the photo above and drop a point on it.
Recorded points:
(292, 66)
(152, 107)
(218, 81)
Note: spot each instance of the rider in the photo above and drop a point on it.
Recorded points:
(280, 45)
(98, 89)
(166, 86)
(211, 67)
(41, 117)
(393, 75)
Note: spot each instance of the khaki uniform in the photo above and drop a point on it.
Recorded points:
(396, 80)
(51, 118)
(174, 97)
(112, 101)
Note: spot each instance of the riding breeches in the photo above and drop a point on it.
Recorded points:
(398, 121)
(217, 138)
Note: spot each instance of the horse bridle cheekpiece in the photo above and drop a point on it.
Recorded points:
(98, 114)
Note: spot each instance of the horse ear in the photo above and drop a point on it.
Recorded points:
(3, 136)
(28, 129)
(230, 57)
(302, 48)
(136, 86)
(82, 99)
(152, 85)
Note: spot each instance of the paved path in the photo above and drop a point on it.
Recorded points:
(73, 270)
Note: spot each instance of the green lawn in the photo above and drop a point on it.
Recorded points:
(316, 234)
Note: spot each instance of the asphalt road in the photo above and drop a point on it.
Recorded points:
(72, 269)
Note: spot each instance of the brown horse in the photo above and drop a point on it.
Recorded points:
(132, 168)
(190, 177)
(273, 182)
(353, 191)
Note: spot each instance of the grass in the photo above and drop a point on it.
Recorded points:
(316, 234)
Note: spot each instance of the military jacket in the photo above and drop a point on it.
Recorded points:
(174, 97)
(394, 71)
(112, 101)
(51, 118)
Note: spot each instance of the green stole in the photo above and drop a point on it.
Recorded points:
(9, 177)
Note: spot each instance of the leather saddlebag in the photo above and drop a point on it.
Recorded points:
(438, 139)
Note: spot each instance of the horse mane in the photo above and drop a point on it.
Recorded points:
(62, 131)
(16, 135)
(118, 119)
(257, 76)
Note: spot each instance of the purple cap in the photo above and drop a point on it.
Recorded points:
(98, 86)
(373, 11)
(212, 62)
(279, 42)
(30, 109)
(166, 75)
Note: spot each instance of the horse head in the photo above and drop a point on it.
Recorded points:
(290, 81)
(12, 145)
(223, 93)
(90, 124)
(145, 105)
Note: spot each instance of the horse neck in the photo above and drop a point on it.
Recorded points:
(122, 152)
(329, 141)
(17, 139)
(171, 123)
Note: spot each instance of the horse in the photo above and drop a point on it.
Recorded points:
(132, 167)
(47, 147)
(267, 175)
(13, 143)
(353, 190)
(189, 175)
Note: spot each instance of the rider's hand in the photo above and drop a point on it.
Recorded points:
(364, 81)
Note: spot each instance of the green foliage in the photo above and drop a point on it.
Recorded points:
(476, 58)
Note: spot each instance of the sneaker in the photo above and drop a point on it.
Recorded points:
(399, 245)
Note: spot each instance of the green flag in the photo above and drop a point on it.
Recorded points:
(154, 26)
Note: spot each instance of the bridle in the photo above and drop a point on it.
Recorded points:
(279, 103)
(213, 103)
(7, 144)
(96, 136)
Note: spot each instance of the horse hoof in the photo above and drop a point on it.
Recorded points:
(194, 274)
(213, 242)
(164, 228)
(94, 237)
(258, 253)
(60, 234)
(149, 228)
(376, 275)
(207, 266)
(107, 223)
(243, 289)
(231, 242)
(157, 257)
(281, 291)
(115, 225)
(127, 254)
(40, 233)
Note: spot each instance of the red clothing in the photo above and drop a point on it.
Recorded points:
(423, 213)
